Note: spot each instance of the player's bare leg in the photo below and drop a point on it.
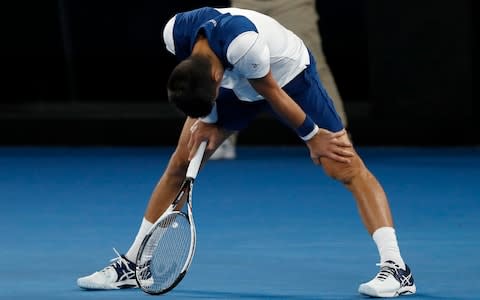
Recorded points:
(394, 277)
(169, 184)
(121, 272)
(369, 194)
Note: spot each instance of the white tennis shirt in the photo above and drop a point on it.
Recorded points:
(253, 54)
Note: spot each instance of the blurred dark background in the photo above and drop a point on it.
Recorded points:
(83, 72)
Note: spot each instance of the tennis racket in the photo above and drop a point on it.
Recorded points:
(167, 250)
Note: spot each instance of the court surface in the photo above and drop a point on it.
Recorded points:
(270, 224)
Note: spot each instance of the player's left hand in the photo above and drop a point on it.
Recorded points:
(334, 145)
(200, 132)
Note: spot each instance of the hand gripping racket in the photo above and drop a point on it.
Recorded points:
(167, 250)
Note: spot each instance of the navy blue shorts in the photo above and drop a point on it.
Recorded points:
(305, 89)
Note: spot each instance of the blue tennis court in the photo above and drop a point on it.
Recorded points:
(270, 224)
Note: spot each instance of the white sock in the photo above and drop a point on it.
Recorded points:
(131, 254)
(387, 245)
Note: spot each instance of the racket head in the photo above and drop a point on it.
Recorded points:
(166, 253)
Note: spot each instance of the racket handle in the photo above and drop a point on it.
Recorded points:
(196, 161)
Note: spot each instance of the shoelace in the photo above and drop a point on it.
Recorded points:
(144, 271)
(116, 262)
(385, 271)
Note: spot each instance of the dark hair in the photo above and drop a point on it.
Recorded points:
(191, 87)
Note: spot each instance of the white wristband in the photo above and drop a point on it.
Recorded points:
(311, 134)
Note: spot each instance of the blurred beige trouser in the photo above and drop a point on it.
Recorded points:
(300, 16)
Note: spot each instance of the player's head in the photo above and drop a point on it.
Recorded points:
(191, 88)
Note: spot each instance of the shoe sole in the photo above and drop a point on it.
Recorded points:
(407, 290)
(126, 284)
(403, 291)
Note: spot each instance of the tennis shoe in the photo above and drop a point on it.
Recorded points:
(145, 274)
(120, 274)
(391, 281)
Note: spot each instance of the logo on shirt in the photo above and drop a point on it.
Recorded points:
(213, 22)
(255, 66)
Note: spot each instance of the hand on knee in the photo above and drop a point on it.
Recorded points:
(345, 173)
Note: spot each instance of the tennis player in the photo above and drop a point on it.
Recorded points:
(235, 64)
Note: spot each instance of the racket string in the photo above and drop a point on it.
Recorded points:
(162, 262)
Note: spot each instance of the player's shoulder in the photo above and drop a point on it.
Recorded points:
(250, 55)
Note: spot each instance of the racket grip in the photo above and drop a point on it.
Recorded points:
(196, 161)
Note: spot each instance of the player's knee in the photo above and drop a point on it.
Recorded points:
(343, 172)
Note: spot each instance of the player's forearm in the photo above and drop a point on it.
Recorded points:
(288, 109)
(295, 116)
(280, 101)
(285, 106)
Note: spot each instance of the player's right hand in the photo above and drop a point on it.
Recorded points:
(200, 132)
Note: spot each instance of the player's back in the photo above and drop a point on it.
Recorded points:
(281, 42)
